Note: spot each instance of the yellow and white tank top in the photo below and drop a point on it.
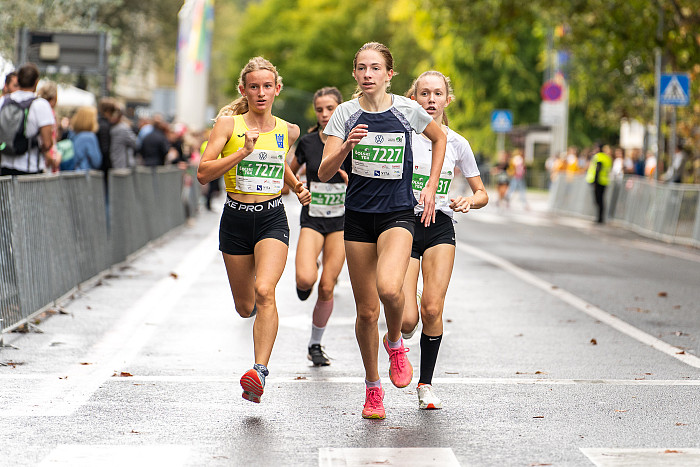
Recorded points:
(262, 172)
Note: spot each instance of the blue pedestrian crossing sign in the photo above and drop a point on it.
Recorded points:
(501, 121)
(674, 89)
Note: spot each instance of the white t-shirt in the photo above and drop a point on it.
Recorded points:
(40, 115)
(457, 154)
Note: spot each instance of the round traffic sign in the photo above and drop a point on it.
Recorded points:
(551, 91)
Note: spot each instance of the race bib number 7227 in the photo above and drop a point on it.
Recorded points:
(262, 171)
(379, 155)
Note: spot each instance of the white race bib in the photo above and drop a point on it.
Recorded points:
(379, 155)
(262, 171)
(421, 174)
(327, 199)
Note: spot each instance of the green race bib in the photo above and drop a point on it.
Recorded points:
(421, 174)
(262, 171)
(379, 155)
(327, 199)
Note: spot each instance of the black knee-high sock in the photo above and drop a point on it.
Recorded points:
(429, 347)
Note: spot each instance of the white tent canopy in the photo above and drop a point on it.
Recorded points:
(70, 96)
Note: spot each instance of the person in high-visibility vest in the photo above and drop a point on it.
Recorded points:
(599, 176)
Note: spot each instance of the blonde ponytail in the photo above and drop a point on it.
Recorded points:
(240, 105)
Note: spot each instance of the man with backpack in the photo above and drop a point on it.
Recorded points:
(26, 123)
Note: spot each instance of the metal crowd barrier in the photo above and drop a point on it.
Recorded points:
(58, 231)
(666, 211)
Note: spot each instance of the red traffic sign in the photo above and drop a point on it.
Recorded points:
(551, 91)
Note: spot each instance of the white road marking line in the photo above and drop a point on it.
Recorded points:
(308, 378)
(405, 457)
(634, 457)
(104, 455)
(584, 306)
(64, 394)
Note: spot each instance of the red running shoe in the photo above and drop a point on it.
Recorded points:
(253, 384)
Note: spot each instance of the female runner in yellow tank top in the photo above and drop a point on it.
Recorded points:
(248, 146)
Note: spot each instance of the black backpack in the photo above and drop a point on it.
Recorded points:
(13, 128)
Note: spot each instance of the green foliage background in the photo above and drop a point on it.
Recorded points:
(493, 50)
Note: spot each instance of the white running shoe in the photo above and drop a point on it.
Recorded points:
(408, 335)
(427, 400)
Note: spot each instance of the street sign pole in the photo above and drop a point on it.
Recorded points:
(657, 78)
(500, 143)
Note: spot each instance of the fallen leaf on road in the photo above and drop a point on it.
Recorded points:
(618, 410)
(672, 451)
(135, 432)
(519, 335)
(300, 377)
(539, 416)
(594, 342)
(541, 373)
(123, 374)
(173, 275)
(663, 294)
(681, 424)
(85, 363)
(449, 320)
(63, 377)
(682, 352)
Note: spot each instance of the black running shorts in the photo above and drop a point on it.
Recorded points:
(366, 227)
(322, 225)
(245, 224)
(439, 232)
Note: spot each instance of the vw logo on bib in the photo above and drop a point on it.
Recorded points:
(378, 139)
(263, 156)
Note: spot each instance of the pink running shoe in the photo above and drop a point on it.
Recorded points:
(400, 369)
(374, 405)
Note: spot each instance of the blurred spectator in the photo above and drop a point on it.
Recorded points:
(650, 164)
(176, 155)
(618, 164)
(85, 143)
(674, 173)
(500, 171)
(106, 108)
(598, 175)
(145, 127)
(40, 122)
(572, 163)
(49, 91)
(517, 178)
(559, 165)
(155, 145)
(10, 85)
(638, 161)
(123, 141)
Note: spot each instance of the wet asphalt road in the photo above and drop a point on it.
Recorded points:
(565, 344)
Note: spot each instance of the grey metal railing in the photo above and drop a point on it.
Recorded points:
(57, 231)
(667, 211)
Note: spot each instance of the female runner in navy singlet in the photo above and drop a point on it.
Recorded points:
(370, 137)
